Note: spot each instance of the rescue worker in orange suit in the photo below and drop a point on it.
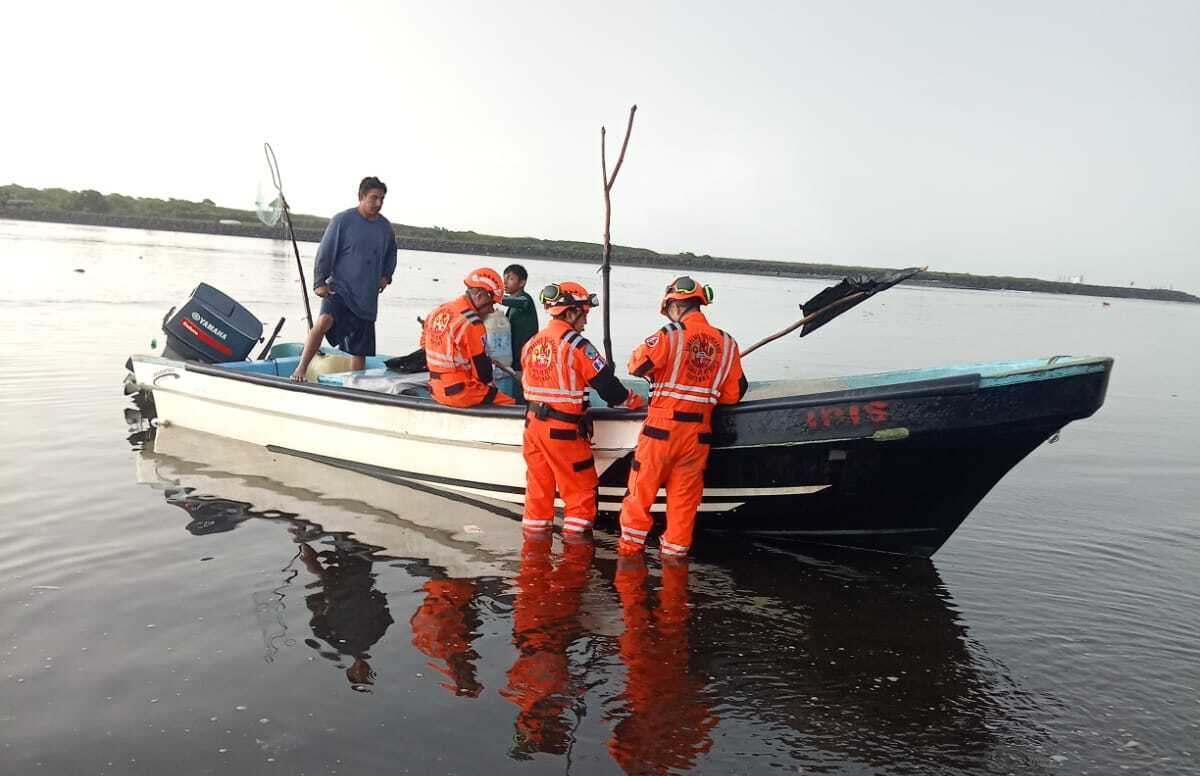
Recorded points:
(557, 367)
(443, 628)
(668, 722)
(692, 366)
(460, 371)
(545, 625)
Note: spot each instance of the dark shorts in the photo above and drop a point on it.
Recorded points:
(349, 333)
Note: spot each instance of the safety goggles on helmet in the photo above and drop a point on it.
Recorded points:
(554, 295)
(685, 287)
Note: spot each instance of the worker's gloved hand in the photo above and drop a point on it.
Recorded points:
(633, 402)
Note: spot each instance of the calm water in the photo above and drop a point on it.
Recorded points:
(188, 605)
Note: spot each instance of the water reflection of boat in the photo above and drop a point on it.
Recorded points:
(219, 474)
(343, 523)
(861, 666)
(867, 664)
(348, 615)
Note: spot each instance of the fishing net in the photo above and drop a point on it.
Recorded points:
(268, 204)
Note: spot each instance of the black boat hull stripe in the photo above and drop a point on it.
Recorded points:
(613, 496)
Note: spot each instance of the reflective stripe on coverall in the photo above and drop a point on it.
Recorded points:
(453, 339)
(692, 366)
(557, 366)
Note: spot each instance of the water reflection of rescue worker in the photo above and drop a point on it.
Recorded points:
(348, 612)
(545, 624)
(692, 366)
(460, 371)
(557, 367)
(443, 628)
(668, 721)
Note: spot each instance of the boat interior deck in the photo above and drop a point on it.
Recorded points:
(333, 368)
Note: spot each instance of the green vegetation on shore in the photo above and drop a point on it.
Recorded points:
(92, 207)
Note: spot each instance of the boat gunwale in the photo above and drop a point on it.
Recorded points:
(964, 383)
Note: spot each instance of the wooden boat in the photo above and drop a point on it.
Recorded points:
(890, 462)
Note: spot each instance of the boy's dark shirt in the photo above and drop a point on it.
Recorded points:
(522, 317)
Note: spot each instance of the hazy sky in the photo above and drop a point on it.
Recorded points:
(1024, 138)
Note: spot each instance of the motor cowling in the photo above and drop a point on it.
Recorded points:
(210, 327)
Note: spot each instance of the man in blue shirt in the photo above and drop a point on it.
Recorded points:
(355, 262)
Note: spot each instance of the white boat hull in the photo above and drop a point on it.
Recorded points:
(889, 463)
(472, 455)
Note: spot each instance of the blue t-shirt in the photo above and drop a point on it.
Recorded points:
(354, 254)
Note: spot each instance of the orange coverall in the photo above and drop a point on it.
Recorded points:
(557, 366)
(460, 372)
(545, 624)
(692, 366)
(669, 722)
(442, 629)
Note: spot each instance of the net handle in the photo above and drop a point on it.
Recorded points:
(276, 179)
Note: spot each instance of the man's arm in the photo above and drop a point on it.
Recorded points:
(326, 254)
(483, 368)
(389, 260)
(475, 349)
(649, 355)
(519, 303)
(600, 375)
(612, 391)
(735, 384)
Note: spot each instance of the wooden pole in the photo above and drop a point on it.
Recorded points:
(606, 263)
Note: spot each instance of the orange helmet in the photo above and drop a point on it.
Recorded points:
(684, 287)
(557, 298)
(487, 279)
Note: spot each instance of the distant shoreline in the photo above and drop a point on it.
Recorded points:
(309, 229)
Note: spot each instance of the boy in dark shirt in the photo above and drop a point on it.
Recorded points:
(522, 312)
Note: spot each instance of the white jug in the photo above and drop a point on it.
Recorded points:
(499, 336)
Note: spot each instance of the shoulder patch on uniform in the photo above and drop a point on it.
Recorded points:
(652, 340)
(589, 350)
(598, 363)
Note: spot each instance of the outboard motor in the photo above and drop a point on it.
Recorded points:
(210, 327)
